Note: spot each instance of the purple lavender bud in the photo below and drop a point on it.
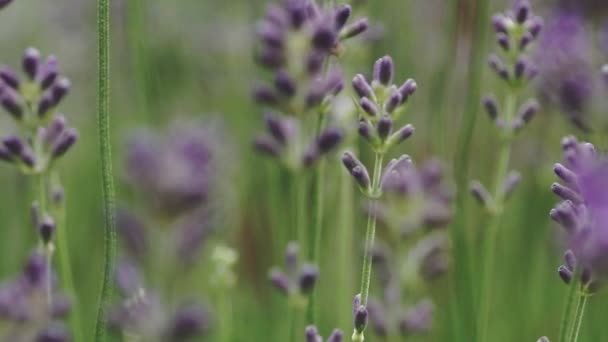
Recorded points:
(521, 66)
(368, 106)
(365, 130)
(312, 335)
(314, 63)
(285, 84)
(404, 133)
(564, 214)
(28, 158)
(394, 100)
(350, 161)
(336, 336)
(188, 322)
(362, 87)
(280, 281)
(510, 183)
(67, 139)
(49, 72)
(491, 107)
(528, 111)
(132, 231)
(54, 130)
(361, 176)
(566, 193)
(4, 3)
(297, 14)
(480, 193)
(277, 128)
(525, 41)
(522, 11)
(311, 155)
(565, 174)
(407, 89)
(334, 83)
(53, 333)
(497, 65)
(503, 41)
(417, 320)
(308, 278)
(267, 146)
(355, 29)
(385, 125)
(36, 270)
(270, 57)
(5, 155)
(9, 77)
(45, 104)
(46, 229)
(271, 35)
(384, 70)
(536, 25)
(564, 273)
(360, 319)
(11, 104)
(291, 256)
(61, 306)
(14, 144)
(324, 38)
(341, 16)
(329, 139)
(498, 21)
(570, 259)
(60, 89)
(31, 62)
(265, 95)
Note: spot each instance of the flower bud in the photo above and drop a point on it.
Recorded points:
(31, 62)
(384, 70)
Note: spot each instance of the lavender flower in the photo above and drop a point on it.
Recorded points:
(566, 77)
(583, 211)
(312, 335)
(24, 303)
(298, 280)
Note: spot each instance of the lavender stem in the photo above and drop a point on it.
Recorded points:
(489, 240)
(578, 316)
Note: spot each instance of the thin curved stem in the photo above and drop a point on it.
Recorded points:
(578, 317)
(370, 233)
(103, 124)
(571, 303)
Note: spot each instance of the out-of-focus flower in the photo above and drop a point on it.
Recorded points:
(26, 306)
(583, 211)
(565, 75)
(298, 280)
(312, 335)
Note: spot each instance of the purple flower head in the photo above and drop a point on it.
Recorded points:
(565, 75)
(583, 211)
(298, 280)
(418, 319)
(312, 335)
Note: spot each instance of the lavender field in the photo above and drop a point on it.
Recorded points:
(303, 170)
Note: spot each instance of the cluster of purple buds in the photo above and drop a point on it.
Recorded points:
(483, 196)
(33, 99)
(583, 212)
(143, 316)
(26, 308)
(296, 39)
(4, 3)
(286, 139)
(298, 280)
(381, 102)
(312, 335)
(32, 102)
(566, 77)
(515, 31)
(416, 197)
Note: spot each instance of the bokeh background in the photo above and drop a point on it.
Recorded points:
(194, 59)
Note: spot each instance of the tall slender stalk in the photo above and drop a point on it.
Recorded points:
(462, 273)
(490, 236)
(578, 316)
(571, 299)
(370, 232)
(103, 124)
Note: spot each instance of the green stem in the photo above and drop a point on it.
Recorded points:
(346, 277)
(578, 316)
(103, 123)
(294, 324)
(489, 239)
(66, 269)
(370, 233)
(225, 313)
(572, 299)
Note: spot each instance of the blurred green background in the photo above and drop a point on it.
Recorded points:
(193, 58)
